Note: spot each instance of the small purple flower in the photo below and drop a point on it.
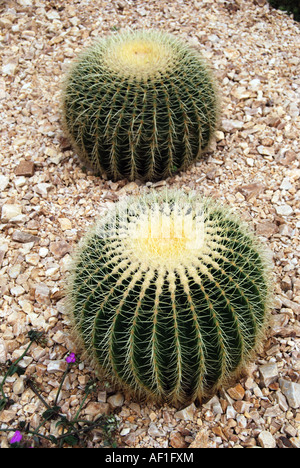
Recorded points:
(71, 358)
(17, 437)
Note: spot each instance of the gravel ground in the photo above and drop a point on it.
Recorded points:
(47, 201)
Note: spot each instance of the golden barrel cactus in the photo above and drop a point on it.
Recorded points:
(169, 295)
(140, 105)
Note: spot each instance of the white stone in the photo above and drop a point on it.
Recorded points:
(32, 259)
(130, 187)
(257, 391)
(294, 109)
(219, 135)
(214, 404)
(153, 431)
(241, 421)
(37, 320)
(43, 252)
(4, 181)
(187, 414)
(116, 400)
(286, 184)
(94, 409)
(230, 412)
(66, 263)
(295, 441)
(59, 337)
(291, 390)
(21, 218)
(43, 189)
(56, 366)
(65, 224)
(52, 14)
(26, 306)
(14, 271)
(52, 271)
(9, 68)
(255, 84)
(2, 89)
(281, 400)
(38, 353)
(17, 290)
(240, 92)
(18, 386)
(3, 352)
(266, 440)
(268, 373)
(19, 141)
(125, 431)
(42, 293)
(25, 2)
(20, 181)
(265, 151)
(3, 248)
(284, 210)
(10, 211)
(230, 125)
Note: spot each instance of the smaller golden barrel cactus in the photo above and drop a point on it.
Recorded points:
(169, 295)
(140, 104)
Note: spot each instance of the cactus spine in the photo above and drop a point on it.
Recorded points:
(140, 105)
(169, 295)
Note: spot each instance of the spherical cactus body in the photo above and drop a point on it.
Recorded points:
(170, 295)
(140, 105)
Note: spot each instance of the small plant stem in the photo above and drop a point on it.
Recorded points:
(9, 369)
(80, 408)
(30, 384)
(35, 432)
(61, 384)
(91, 425)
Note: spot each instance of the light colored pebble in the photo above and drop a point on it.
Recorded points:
(268, 373)
(19, 386)
(284, 210)
(10, 211)
(56, 366)
(291, 390)
(116, 400)
(266, 440)
(187, 414)
(4, 181)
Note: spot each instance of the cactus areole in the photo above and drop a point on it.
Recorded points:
(139, 105)
(169, 296)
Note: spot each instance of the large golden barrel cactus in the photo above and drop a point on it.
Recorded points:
(169, 295)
